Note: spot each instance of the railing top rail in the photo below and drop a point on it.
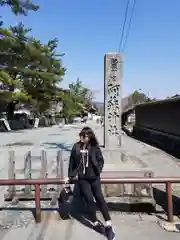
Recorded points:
(112, 180)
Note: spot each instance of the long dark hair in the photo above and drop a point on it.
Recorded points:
(87, 131)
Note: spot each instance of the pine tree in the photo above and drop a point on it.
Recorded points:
(30, 70)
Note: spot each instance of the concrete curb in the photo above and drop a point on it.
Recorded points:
(170, 227)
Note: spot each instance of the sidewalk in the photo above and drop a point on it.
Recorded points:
(141, 227)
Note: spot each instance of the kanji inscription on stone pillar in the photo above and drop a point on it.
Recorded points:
(112, 99)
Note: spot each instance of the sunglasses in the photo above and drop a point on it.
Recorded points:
(84, 136)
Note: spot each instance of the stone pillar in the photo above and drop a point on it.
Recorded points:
(119, 164)
(44, 171)
(112, 100)
(27, 172)
(60, 169)
(11, 174)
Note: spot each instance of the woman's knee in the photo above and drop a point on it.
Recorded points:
(99, 197)
(88, 197)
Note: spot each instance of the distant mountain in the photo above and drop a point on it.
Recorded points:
(98, 104)
(133, 99)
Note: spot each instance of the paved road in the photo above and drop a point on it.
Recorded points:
(14, 225)
(126, 226)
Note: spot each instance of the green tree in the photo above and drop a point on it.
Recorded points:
(30, 71)
(83, 94)
(76, 100)
(19, 6)
(8, 55)
(71, 107)
(45, 73)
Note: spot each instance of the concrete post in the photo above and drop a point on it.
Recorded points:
(112, 100)
(11, 173)
(60, 168)
(59, 174)
(27, 171)
(44, 173)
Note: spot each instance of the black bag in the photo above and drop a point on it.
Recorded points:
(65, 198)
(66, 195)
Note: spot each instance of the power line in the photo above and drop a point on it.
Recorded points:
(123, 29)
(129, 26)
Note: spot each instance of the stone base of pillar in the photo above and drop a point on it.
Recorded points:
(121, 165)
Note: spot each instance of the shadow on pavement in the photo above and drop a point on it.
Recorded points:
(55, 145)
(83, 219)
(178, 226)
(169, 146)
(161, 199)
(60, 133)
(77, 208)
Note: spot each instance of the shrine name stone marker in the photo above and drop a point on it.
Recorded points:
(119, 164)
(112, 100)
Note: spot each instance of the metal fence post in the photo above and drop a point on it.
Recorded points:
(169, 201)
(27, 171)
(37, 203)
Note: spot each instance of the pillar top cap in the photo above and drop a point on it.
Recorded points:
(113, 53)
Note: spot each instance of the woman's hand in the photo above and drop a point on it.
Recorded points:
(66, 180)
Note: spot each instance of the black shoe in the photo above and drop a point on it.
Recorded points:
(110, 234)
(100, 228)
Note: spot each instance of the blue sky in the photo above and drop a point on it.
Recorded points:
(88, 29)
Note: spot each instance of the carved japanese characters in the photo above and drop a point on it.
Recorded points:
(113, 98)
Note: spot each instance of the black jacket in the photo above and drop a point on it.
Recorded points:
(96, 162)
